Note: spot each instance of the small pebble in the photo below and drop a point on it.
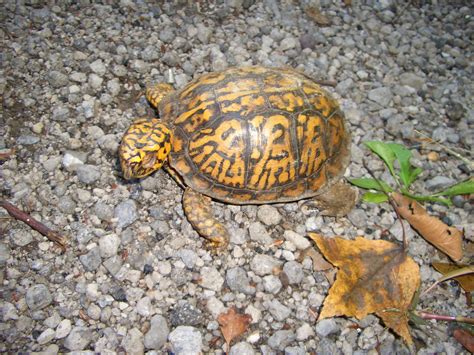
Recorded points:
(185, 340)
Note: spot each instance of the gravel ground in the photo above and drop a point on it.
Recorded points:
(135, 276)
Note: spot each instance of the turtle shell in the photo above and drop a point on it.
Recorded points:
(256, 135)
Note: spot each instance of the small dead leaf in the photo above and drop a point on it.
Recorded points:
(315, 14)
(466, 281)
(466, 338)
(445, 238)
(233, 324)
(319, 263)
(374, 276)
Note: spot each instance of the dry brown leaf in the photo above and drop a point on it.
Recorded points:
(466, 338)
(466, 281)
(319, 263)
(374, 276)
(233, 324)
(445, 238)
(315, 14)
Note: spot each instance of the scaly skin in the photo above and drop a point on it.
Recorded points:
(198, 210)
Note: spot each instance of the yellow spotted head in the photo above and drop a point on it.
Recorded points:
(157, 92)
(144, 148)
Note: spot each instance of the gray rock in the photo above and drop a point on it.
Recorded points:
(88, 174)
(211, 279)
(439, 183)
(66, 204)
(78, 339)
(412, 80)
(91, 261)
(382, 96)
(278, 310)
(297, 240)
(98, 67)
(272, 284)
(238, 281)
(167, 35)
(294, 271)
(259, 234)
(57, 79)
(358, 217)
(126, 213)
(238, 236)
(242, 348)
(38, 297)
(203, 33)
(144, 307)
(327, 346)
(288, 43)
(46, 336)
(4, 253)
(72, 159)
(268, 215)
(133, 342)
(304, 332)
(103, 211)
(95, 82)
(326, 327)
(440, 134)
(158, 333)
(171, 59)
(186, 341)
(185, 314)
(294, 350)
(63, 329)
(8, 312)
(281, 339)
(109, 245)
(264, 264)
(188, 257)
(113, 264)
(78, 77)
(27, 139)
(20, 237)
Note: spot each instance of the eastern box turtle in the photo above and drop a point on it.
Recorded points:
(250, 135)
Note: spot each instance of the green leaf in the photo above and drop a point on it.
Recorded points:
(384, 151)
(375, 197)
(403, 155)
(430, 198)
(463, 188)
(371, 184)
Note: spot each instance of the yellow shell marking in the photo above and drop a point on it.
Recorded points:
(312, 152)
(219, 153)
(272, 161)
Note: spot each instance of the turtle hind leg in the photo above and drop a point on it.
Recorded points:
(198, 210)
(337, 201)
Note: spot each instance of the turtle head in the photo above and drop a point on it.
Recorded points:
(157, 92)
(144, 148)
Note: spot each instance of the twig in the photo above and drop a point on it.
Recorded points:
(392, 203)
(461, 319)
(331, 83)
(456, 154)
(33, 223)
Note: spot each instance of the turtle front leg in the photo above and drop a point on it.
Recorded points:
(337, 201)
(198, 210)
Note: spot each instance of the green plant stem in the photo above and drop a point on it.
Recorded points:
(430, 198)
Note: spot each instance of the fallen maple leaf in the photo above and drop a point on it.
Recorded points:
(233, 324)
(374, 276)
(445, 238)
(463, 274)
